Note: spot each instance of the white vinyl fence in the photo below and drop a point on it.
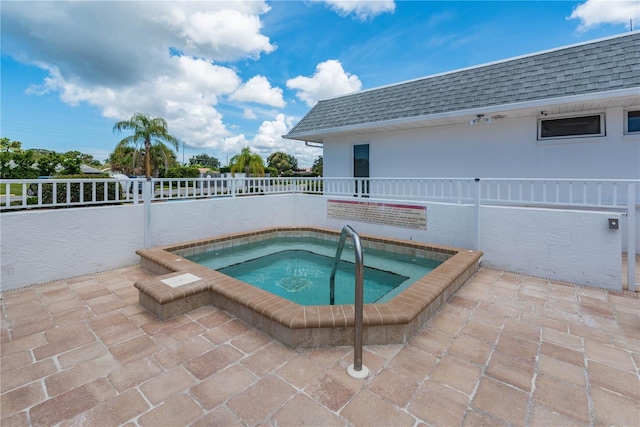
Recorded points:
(48, 193)
(572, 230)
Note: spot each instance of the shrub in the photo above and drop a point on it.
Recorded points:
(182, 172)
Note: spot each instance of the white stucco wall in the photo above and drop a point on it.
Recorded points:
(447, 224)
(175, 222)
(571, 246)
(181, 221)
(624, 223)
(46, 245)
(506, 148)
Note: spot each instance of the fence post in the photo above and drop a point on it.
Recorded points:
(631, 237)
(476, 242)
(147, 188)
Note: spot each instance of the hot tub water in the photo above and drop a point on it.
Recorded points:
(298, 269)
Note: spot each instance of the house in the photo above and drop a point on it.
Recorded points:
(571, 112)
(88, 170)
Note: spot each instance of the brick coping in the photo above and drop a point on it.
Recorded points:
(225, 292)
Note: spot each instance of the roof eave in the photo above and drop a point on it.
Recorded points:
(318, 135)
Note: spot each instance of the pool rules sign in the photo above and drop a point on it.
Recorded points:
(406, 216)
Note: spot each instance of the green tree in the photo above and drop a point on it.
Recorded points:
(71, 162)
(24, 163)
(247, 162)
(7, 150)
(147, 131)
(129, 160)
(16, 163)
(125, 159)
(87, 159)
(317, 166)
(162, 156)
(47, 162)
(284, 163)
(205, 161)
(182, 172)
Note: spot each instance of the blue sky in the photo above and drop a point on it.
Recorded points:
(227, 75)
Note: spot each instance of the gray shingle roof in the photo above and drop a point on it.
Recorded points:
(599, 66)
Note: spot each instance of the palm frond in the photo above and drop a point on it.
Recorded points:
(147, 132)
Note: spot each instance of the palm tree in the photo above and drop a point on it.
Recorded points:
(124, 159)
(129, 160)
(148, 131)
(247, 162)
(162, 155)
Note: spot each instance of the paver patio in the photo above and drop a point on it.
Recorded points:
(506, 350)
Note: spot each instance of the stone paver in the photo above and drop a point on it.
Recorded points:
(501, 401)
(437, 404)
(304, 411)
(506, 350)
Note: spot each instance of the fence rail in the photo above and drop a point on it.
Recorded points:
(55, 193)
(620, 195)
(558, 192)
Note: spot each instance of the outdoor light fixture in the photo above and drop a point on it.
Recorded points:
(479, 119)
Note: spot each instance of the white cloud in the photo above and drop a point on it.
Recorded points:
(201, 127)
(258, 89)
(222, 32)
(233, 144)
(185, 95)
(594, 13)
(269, 136)
(122, 42)
(362, 9)
(108, 43)
(159, 58)
(269, 140)
(249, 114)
(198, 75)
(329, 80)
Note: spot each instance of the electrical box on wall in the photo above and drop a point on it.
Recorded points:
(613, 223)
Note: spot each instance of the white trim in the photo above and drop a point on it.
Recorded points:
(469, 114)
(626, 122)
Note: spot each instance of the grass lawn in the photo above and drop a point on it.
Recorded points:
(15, 189)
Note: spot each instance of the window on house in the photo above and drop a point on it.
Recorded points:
(592, 125)
(361, 160)
(361, 169)
(633, 121)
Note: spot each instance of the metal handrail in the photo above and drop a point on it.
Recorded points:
(357, 370)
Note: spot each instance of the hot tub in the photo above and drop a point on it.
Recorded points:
(183, 285)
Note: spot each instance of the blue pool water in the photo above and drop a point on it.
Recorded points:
(298, 269)
(303, 277)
